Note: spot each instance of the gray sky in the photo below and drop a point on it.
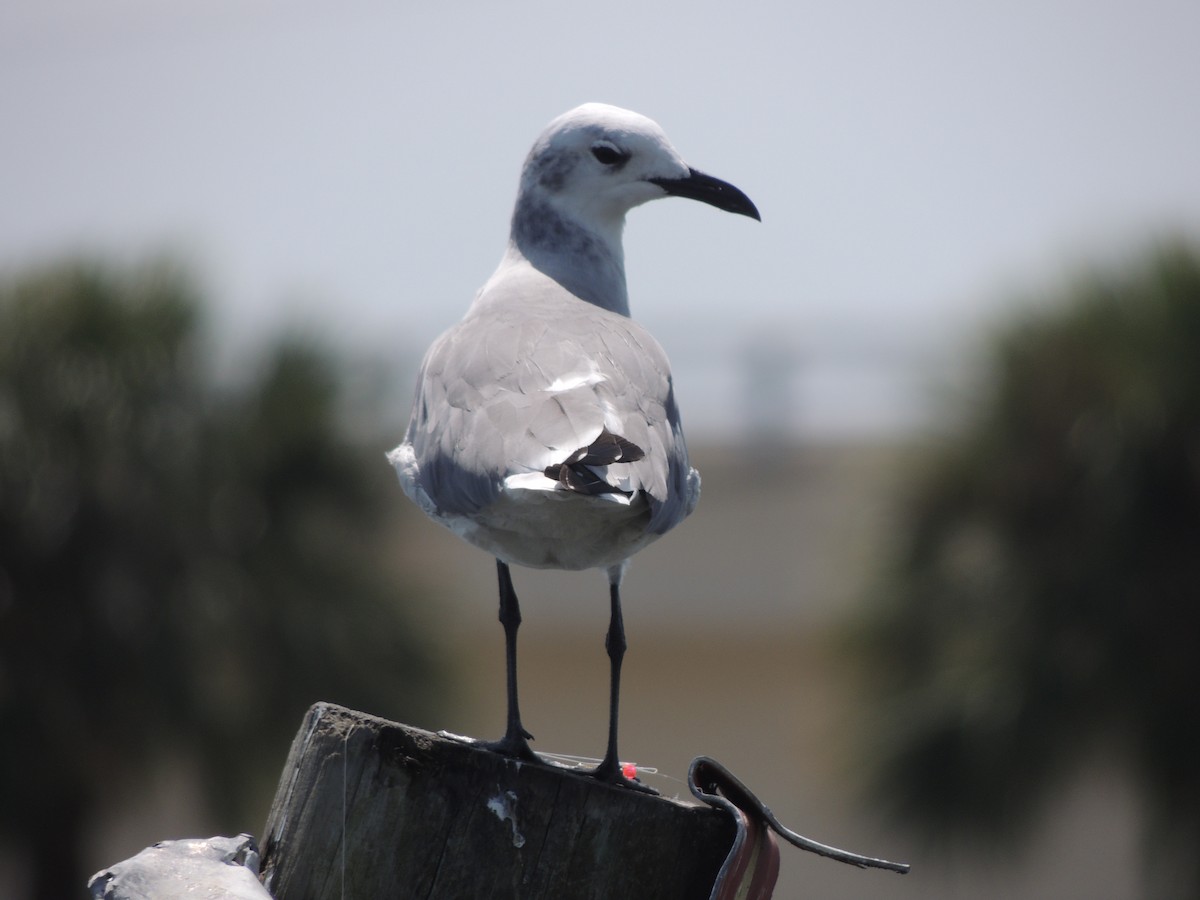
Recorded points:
(353, 166)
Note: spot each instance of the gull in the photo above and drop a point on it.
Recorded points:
(544, 427)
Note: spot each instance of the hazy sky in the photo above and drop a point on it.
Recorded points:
(353, 165)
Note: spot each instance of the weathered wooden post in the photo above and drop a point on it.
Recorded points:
(369, 809)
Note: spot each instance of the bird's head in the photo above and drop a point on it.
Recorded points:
(596, 162)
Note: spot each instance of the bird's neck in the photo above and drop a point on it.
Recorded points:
(586, 260)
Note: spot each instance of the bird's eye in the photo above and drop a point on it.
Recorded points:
(607, 154)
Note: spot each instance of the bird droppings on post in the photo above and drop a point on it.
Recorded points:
(504, 805)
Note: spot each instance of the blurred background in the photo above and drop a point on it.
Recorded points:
(940, 601)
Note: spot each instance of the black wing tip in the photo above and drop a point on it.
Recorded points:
(575, 472)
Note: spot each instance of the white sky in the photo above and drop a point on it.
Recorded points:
(352, 166)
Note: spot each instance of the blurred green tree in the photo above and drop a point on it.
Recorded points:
(186, 562)
(1044, 598)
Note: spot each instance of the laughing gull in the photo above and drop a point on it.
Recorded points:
(544, 428)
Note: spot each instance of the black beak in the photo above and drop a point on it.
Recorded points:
(713, 191)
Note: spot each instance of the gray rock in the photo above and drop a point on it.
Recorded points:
(217, 868)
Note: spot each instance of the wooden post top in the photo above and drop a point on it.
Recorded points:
(368, 808)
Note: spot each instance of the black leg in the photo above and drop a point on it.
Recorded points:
(610, 767)
(516, 739)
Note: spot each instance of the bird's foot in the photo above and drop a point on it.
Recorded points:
(514, 744)
(612, 773)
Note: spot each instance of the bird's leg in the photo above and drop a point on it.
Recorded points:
(516, 739)
(609, 769)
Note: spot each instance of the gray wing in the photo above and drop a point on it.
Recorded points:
(502, 396)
